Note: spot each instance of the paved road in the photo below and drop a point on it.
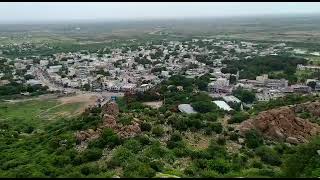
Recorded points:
(43, 77)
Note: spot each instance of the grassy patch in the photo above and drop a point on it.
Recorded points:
(35, 112)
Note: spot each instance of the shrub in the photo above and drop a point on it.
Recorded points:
(133, 145)
(221, 140)
(253, 139)
(175, 141)
(210, 117)
(216, 127)
(89, 169)
(157, 165)
(125, 119)
(204, 106)
(145, 126)
(121, 155)
(91, 154)
(234, 136)
(143, 139)
(138, 169)
(304, 161)
(108, 138)
(216, 150)
(238, 117)
(256, 164)
(268, 155)
(113, 141)
(209, 174)
(158, 131)
(221, 166)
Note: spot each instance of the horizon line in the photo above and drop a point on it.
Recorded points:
(139, 19)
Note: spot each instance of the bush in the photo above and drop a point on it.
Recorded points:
(221, 166)
(238, 117)
(268, 155)
(209, 174)
(234, 136)
(145, 126)
(91, 154)
(210, 117)
(256, 164)
(108, 138)
(158, 131)
(157, 165)
(89, 169)
(133, 145)
(138, 169)
(216, 127)
(204, 106)
(143, 139)
(253, 139)
(121, 156)
(244, 95)
(125, 119)
(216, 151)
(304, 161)
(175, 141)
(221, 140)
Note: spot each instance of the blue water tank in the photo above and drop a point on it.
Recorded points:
(113, 98)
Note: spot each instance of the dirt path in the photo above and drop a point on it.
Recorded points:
(86, 99)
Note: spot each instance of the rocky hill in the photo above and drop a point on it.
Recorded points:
(283, 124)
(109, 113)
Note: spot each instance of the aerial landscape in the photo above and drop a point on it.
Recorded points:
(178, 94)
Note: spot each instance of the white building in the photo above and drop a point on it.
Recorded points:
(54, 69)
(232, 99)
(33, 82)
(223, 105)
(44, 63)
(165, 73)
(186, 108)
(128, 87)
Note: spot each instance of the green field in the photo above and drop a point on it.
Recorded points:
(36, 113)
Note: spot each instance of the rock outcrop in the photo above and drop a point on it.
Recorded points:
(312, 107)
(282, 124)
(109, 120)
(111, 109)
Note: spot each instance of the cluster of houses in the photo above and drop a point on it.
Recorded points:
(120, 69)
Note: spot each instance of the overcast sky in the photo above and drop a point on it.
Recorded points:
(42, 11)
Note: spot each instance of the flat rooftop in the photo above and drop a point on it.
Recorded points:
(186, 108)
(223, 105)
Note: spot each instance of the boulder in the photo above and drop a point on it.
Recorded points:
(281, 124)
(109, 121)
(111, 109)
(292, 140)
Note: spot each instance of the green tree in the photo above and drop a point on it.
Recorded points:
(304, 161)
(204, 107)
(238, 117)
(244, 95)
(253, 139)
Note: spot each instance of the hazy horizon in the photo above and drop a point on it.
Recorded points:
(30, 12)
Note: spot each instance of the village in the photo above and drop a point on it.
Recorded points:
(124, 70)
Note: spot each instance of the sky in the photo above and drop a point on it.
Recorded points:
(56, 11)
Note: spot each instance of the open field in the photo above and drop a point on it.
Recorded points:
(38, 112)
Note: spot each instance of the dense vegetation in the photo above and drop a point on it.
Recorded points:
(170, 142)
(276, 66)
(14, 88)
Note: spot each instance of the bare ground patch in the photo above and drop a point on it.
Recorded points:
(154, 104)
